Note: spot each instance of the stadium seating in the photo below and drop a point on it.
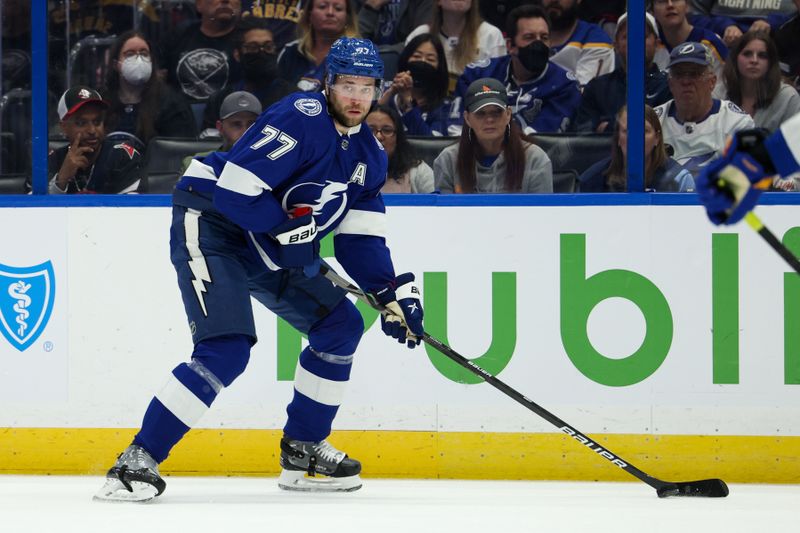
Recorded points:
(164, 156)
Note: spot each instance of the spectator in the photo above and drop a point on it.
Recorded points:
(406, 173)
(661, 172)
(604, 13)
(676, 29)
(732, 19)
(495, 12)
(543, 96)
(466, 38)
(142, 105)
(302, 62)
(695, 123)
(90, 163)
(605, 95)
(787, 39)
(199, 56)
(583, 48)
(281, 17)
(419, 90)
(238, 112)
(256, 55)
(492, 155)
(753, 81)
(389, 21)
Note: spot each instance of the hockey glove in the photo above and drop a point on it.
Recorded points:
(299, 246)
(730, 186)
(404, 318)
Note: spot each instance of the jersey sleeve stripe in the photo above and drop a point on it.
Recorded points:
(199, 170)
(359, 222)
(240, 180)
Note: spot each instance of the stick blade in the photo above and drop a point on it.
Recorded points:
(703, 488)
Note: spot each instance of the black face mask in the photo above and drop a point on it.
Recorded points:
(534, 57)
(424, 74)
(260, 67)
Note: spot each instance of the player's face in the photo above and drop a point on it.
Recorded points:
(489, 123)
(233, 127)
(753, 60)
(88, 121)
(384, 130)
(427, 53)
(670, 12)
(350, 98)
(328, 16)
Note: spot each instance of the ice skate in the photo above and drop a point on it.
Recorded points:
(134, 478)
(317, 467)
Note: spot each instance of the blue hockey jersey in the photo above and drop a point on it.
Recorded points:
(544, 104)
(293, 156)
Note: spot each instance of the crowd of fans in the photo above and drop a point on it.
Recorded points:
(488, 75)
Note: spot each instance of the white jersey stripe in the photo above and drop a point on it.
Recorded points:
(324, 391)
(359, 222)
(199, 170)
(181, 402)
(241, 181)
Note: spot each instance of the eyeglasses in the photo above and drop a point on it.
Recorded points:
(690, 75)
(386, 131)
(254, 48)
(144, 54)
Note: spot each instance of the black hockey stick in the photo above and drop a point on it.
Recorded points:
(709, 488)
(754, 222)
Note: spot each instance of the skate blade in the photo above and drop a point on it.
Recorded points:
(299, 481)
(114, 491)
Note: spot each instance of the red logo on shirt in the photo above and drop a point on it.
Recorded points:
(130, 150)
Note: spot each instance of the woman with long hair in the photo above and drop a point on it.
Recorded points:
(662, 173)
(141, 105)
(407, 173)
(419, 90)
(302, 62)
(753, 81)
(492, 155)
(466, 37)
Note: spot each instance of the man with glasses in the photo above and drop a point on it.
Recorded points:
(247, 223)
(695, 124)
(256, 55)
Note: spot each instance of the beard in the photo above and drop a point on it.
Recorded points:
(562, 20)
(339, 113)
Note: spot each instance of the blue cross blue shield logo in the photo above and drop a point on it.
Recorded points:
(26, 301)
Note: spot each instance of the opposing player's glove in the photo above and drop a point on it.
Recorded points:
(299, 246)
(404, 319)
(730, 186)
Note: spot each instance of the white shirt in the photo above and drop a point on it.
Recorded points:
(491, 43)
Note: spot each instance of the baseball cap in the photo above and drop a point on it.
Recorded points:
(239, 101)
(651, 21)
(77, 97)
(483, 92)
(690, 52)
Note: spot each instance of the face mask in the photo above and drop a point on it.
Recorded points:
(136, 70)
(424, 74)
(259, 67)
(534, 57)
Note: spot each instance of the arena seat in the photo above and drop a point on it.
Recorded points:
(427, 148)
(12, 183)
(164, 156)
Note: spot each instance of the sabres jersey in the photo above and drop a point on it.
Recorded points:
(784, 147)
(588, 52)
(293, 156)
(697, 143)
(544, 104)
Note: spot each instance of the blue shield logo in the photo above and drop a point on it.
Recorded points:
(26, 301)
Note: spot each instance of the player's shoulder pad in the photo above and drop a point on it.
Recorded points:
(735, 108)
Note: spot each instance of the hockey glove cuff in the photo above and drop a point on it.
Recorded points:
(299, 246)
(403, 319)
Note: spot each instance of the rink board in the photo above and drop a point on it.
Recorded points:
(679, 358)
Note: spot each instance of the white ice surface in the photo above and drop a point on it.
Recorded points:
(63, 504)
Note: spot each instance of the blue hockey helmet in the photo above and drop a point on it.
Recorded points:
(351, 56)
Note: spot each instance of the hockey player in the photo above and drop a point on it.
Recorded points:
(730, 186)
(248, 223)
(543, 96)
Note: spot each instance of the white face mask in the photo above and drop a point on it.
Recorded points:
(136, 70)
